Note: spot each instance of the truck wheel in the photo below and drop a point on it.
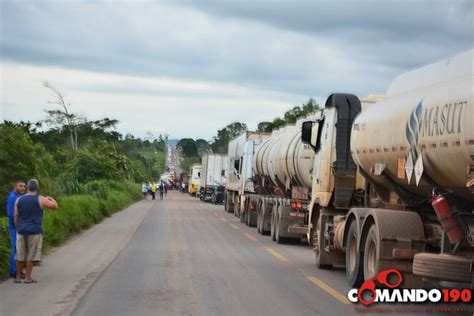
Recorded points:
(229, 204)
(354, 258)
(236, 208)
(278, 238)
(248, 217)
(444, 267)
(259, 220)
(371, 253)
(243, 217)
(321, 258)
(272, 228)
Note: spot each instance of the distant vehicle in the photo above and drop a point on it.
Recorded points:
(218, 196)
(213, 174)
(200, 193)
(239, 184)
(194, 179)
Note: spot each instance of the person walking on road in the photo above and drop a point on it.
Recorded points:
(144, 190)
(162, 189)
(28, 218)
(18, 190)
(153, 189)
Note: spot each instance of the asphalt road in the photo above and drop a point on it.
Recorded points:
(192, 258)
(180, 256)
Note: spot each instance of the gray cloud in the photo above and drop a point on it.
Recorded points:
(304, 48)
(363, 23)
(290, 50)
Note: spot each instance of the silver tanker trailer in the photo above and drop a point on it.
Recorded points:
(414, 152)
(239, 184)
(282, 167)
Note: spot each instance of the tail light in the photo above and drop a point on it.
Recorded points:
(293, 204)
(299, 204)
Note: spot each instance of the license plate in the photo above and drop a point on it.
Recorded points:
(297, 214)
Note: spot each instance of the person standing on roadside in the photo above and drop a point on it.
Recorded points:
(28, 218)
(18, 190)
(153, 189)
(144, 190)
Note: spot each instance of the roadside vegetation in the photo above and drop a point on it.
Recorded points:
(91, 169)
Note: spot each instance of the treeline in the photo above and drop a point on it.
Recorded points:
(27, 151)
(191, 151)
(92, 174)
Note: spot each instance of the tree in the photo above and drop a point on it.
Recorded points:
(62, 116)
(203, 147)
(188, 147)
(225, 135)
(290, 116)
(20, 158)
(263, 126)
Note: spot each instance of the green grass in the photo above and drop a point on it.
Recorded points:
(98, 199)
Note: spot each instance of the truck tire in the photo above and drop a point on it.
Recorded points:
(278, 238)
(371, 253)
(259, 219)
(444, 267)
(354, 258)
(243, 216)
(272, 229)
(236, 208)
(229, 205)
(248, 218)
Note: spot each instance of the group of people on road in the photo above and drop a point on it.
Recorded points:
(151, 188)
(25, 225)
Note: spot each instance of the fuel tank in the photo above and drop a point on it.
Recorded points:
(422, 134)
(284, 159)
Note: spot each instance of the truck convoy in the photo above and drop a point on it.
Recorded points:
(282, 180)
(213, 175)
(383, 187)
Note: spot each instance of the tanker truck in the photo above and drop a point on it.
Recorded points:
(239, 183)
(391, 184)
(282, 167)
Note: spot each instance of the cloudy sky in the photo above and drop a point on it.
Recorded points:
(188, 68)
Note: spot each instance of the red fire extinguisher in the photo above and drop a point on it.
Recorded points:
(449, 218)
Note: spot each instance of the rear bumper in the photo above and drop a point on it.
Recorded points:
(301, 230)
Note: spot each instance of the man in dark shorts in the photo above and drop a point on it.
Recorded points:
(28, 218)
(18, 190)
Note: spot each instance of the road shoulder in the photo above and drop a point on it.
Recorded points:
(68, 272)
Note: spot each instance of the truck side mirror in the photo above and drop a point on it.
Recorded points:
(236, 164)
(309, 133)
